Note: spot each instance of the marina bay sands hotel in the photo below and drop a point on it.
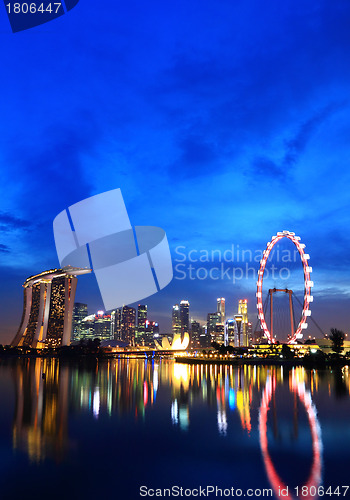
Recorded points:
(48, 308)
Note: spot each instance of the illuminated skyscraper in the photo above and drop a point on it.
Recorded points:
(221, 309)
(230, 327)
(239, 330)
(212, 320)
(176, 322)
(196, 331)
(219, 333)
(116, 324)
(185, 317)
(243, 310)
(152, 328)
(80, 311)
(48, 308)
(102, 326)
(128, 324)
(141, 322)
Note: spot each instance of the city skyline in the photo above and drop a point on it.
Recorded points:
(221, 124)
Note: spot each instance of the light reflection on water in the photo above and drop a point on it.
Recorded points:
(273, 407)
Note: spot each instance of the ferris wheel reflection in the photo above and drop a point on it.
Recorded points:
(297, 386)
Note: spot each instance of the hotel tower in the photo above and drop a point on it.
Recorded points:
(48, 308)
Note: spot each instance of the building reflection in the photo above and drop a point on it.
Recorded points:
(49, 390)
(41, 411)
(298, 388)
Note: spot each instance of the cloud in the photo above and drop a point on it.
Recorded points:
(4, 248)
(10, 222)
(297, 144)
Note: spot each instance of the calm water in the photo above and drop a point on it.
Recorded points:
(87, 430)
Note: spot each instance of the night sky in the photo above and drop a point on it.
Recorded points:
(221, 121)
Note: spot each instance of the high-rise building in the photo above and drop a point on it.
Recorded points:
(219, 333)
(87, 328)
(204, 338)
(152, 328)
(196, 331)
(243, 310)
(221, 309)
(176, 321)
(102, 326)
(80, 311)
(95, 326)
(185, 317)
(128, 323)
(141, 323)
(230, 328)
(116, 324)
(239, 330)
(212, 320)
(250, 333)
(48, 308)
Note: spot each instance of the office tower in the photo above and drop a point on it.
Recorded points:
(80, 311)
(141, 322)
(102, 326)
(196, 331)
(128, 323)
(221, 309)
(243, 310)
(230, 327)
(48, 308)
(250, 333)
(219, 333)
(87, 328)
(239, 330)
(185, 317)
(176, 322)
(116, 324)
(212, 320)
(152, 328)
(204, 338)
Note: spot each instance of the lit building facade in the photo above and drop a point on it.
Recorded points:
(230, 328)
(221, 309)
(219, 333)
(116, 322)
(243, 311)
(212, 320)
(102, 326)
(176, 322)
(48, 308)
(185, 317)
(141, 322)
(80, 311)
(128, 325)
(196, 331)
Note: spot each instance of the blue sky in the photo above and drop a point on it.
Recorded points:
(221, 122)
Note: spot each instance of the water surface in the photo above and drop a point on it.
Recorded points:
(86, 429)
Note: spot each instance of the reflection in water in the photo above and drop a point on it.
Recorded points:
(40, 424)
(297, 386)
(49, 391)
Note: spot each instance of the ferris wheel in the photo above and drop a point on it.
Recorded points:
(308, 284)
